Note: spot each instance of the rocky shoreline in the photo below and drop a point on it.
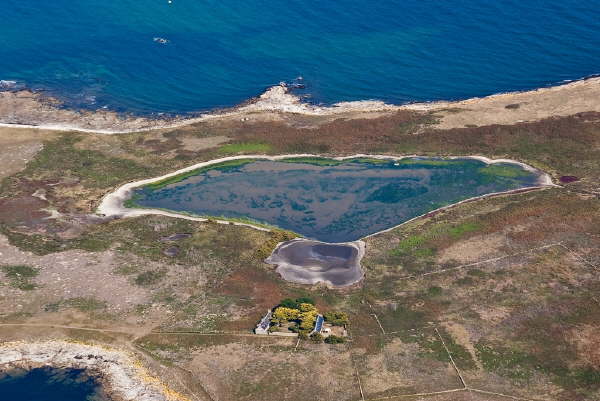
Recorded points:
(122, 376)
(27, 109)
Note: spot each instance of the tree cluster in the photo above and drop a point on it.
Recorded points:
(295, 303)
(336, 318)
(302, 311)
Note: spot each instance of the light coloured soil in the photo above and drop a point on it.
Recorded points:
(534, 105)
(399, 366)
(586, 340)
(65, 275)
(195, 144)
(475, 249)
(245, 371)
(462, 337)
(18, 146)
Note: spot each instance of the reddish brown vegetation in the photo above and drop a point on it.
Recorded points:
(340, 136)
(23, 210)
(253, 284)
(568, 178)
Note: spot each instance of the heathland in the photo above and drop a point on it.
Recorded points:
(490, 300)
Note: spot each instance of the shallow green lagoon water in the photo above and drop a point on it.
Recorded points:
(329, 200)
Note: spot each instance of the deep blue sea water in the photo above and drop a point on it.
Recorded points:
(97, 53)
(329, 200)
(48, 384)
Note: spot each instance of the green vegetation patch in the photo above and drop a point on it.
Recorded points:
(424, 245)
(337, 318)
(150, 277)
(295, 303)
(84, 304)
(92, 243)
(21, 276)
(299, 316)
(504, 170)
(507, 362)
(226, 165)
(267, 247)
(435, 348)
(35, 243)
(433, 162)
(315, 161)
(335, 340)
(94, 169)
(299, 319)
(434, 291)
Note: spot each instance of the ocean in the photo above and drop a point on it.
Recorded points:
(179, 56)
(50, 384)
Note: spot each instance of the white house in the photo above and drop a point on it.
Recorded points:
(263, 326)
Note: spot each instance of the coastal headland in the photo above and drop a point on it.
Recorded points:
(28, 109)
(492, 298)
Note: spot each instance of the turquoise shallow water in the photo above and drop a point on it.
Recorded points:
(329, 200)
(97, 53)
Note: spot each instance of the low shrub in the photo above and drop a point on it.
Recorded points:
(20, 276)
(335, 340)
(150, 277)
(316, 338)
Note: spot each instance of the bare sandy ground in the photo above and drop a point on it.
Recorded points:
(515, 107)
(69, 274)
(18, 146)
(25, 109)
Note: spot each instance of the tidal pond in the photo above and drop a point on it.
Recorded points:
(310, 262)
(331, 200)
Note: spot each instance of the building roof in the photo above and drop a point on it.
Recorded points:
(319, 324)
(265, 322)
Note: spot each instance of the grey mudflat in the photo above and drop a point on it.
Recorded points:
(310, 262)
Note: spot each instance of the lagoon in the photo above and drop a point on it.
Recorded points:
(331, 200)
